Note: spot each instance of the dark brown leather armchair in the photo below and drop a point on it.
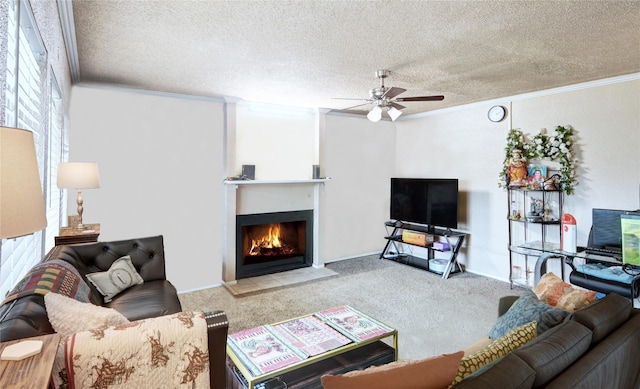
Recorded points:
(156, 296)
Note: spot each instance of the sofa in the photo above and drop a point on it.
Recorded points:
(558, 337)
(592, 348)
(78, 271)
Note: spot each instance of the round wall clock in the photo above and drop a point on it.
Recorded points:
(497, 113)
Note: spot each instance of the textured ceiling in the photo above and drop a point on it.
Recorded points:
(304, 53)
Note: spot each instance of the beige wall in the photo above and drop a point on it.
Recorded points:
(162, 167)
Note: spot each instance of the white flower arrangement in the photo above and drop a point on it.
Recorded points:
(540, 145)
(557, 147)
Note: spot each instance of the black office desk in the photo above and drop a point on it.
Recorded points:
(631, 290)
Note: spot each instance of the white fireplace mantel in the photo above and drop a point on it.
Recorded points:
(276, 182)
(232, 206)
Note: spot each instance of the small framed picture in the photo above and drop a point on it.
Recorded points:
(537, 175)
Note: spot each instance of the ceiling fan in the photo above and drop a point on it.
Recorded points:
(385, 97)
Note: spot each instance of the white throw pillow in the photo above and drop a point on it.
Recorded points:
(120, 276)
(68, 316)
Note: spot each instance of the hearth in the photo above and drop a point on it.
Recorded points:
(273, 242)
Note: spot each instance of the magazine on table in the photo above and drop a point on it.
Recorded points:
(268, 348)
(262, 351)
(353, 323)
(311, 335)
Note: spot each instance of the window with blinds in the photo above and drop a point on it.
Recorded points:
(57, 151)
(32, 102)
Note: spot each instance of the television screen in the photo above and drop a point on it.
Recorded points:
(605, 228)
(429, 201)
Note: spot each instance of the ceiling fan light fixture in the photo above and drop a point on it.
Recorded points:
(394, 113)
(375, 114)
(387, 97)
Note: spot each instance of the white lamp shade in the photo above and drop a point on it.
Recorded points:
(78, 175)
(375, 114)
(21, 199)
(394, 113)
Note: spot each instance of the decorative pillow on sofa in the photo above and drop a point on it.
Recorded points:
(430, 373)
(505, 372)
(526, 309)
(511, 341)
(555, 292)
(64, 314)
(120, 276)
(477, 346)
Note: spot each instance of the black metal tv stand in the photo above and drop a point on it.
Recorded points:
(453, 238)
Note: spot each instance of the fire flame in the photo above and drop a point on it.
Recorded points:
(269, 241)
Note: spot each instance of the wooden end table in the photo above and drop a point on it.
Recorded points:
(32, 372)
(69, 235)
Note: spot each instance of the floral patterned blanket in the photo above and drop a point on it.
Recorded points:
(162, 352)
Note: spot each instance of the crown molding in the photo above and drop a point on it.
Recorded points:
(530, 95)
(97, 85)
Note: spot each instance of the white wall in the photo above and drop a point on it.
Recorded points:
(277, 141)
(161, 174)
(161, 165)
(462, 143)
(146, 144)
(359, 155)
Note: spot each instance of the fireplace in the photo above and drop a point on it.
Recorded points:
(273, 242)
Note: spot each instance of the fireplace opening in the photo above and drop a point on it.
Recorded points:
(273, 242)
(266, 242)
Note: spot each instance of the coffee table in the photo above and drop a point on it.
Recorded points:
(295, 353)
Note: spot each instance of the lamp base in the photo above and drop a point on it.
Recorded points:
(80, 227)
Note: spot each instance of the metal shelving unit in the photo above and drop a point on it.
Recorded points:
(530, 235)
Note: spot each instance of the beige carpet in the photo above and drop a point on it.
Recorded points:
(433, 316)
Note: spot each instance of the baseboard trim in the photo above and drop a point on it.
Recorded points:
(351, 257)
(199, 289)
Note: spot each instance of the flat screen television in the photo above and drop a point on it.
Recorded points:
(428, 201)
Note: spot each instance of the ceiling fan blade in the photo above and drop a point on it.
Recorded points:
(393, 92)
(421, 98)
(349, 98)
(396, 105)
(355, 106)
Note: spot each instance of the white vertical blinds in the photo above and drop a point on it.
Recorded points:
(54, 206)
(32, 102)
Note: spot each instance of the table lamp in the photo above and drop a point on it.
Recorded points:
(21, 200)
(78, 176)
(21, 204)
